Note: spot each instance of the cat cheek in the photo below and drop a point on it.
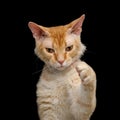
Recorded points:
(52, 61)
(69, 58)
(73, 54)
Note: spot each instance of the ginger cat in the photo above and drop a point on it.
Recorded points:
(66, 89)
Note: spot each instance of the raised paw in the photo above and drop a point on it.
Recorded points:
(85, 72)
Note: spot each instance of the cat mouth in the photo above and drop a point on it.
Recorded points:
(61, 66)
(65, 66)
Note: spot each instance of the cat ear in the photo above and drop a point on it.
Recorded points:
(36, 30)
(76, 27)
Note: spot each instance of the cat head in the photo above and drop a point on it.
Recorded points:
(59, 46)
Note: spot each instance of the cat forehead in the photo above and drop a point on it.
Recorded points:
(59, 35)
(57, 32)
(66, 41)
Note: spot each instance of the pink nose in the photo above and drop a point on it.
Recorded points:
(61, 61)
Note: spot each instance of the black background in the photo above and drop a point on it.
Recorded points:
(99, 35)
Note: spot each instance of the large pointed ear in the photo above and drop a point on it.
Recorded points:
(76, 25)
(37, 30)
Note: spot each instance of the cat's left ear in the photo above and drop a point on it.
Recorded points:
(76, 25)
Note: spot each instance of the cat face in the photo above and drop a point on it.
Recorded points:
(60, 46)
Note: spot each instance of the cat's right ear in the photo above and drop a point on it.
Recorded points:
(36, 30)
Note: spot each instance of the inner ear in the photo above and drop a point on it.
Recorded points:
(76, 25)
(37, 30)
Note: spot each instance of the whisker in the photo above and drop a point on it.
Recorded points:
(90, 52)
(36, 72)
(36, 60)
(39, 71)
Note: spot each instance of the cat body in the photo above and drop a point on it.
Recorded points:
(66, 89)
(62, 95)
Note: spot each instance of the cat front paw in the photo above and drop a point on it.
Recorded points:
(86, 73)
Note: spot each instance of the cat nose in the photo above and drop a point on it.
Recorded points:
(61, 61)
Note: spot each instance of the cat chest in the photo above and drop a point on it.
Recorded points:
(57, 94)
(56, 98)
(56, 86)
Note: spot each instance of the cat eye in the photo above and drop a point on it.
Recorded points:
(50, 50)
(69, 48)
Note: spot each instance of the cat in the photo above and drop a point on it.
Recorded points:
(66, 89)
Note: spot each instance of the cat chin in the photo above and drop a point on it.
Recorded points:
(60, 68)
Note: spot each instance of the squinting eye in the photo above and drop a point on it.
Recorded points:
(50, 50)
(69, 48)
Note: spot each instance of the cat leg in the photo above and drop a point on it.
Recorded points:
(88, 82)
(82, 93)
(47, 113)
(46, 110)
(88, 88)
